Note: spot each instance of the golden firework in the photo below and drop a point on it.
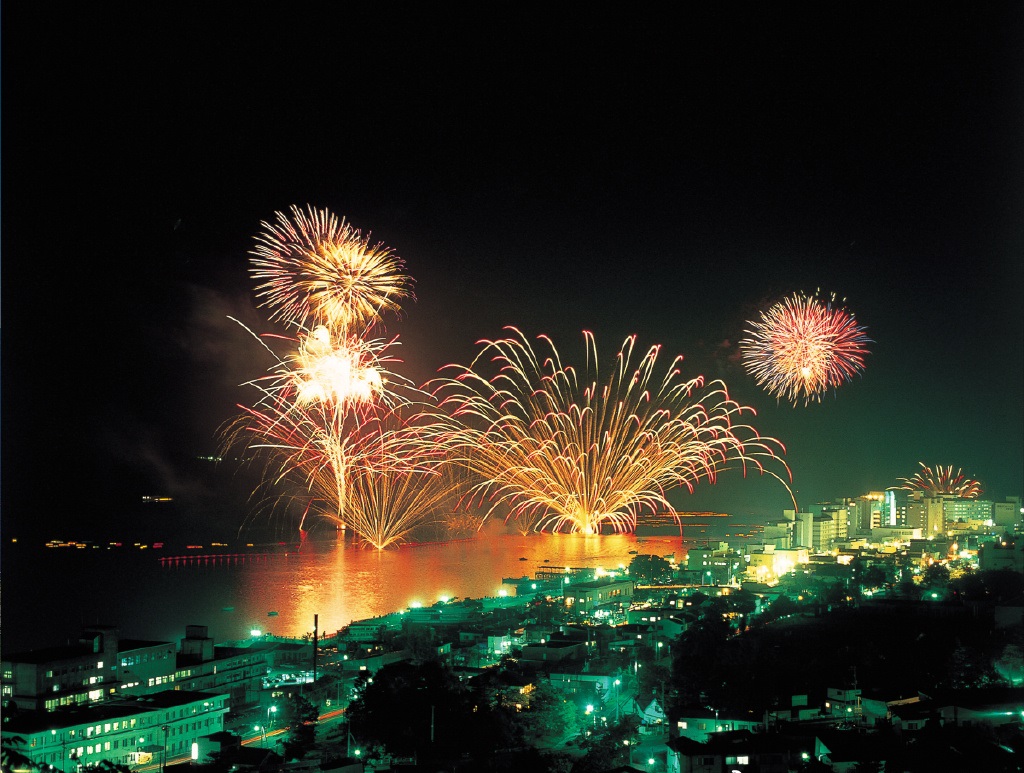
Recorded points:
(569, 452)
(315, 269)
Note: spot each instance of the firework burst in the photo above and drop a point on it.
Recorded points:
(314, 269)
(317, 419)
(934, 481)
(802, 347)
(567, 452)
(344, 373)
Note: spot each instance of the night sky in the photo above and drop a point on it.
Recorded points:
(663, 175)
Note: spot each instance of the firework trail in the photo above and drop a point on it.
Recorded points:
(934, 481)
(566, 452)
(314, 269)
(317, 417)
(402, 489)
(802, 347)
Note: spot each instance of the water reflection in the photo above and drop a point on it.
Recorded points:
(341, 583)
(49, 595)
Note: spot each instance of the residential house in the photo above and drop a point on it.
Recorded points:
(698, 724)
(737, 750)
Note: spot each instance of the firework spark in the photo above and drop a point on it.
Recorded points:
(314, 269)
(938, 480)
(571, 454)
(802, 347)
(379, 476)
(317, 419)
(401, 490)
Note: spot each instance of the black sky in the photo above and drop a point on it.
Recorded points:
(661, 174)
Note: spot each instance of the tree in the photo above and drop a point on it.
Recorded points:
(696, 660)
(783, 606)
(874, 577)
(834, 594)
(650, 570)
(420, 644)
(1010, 664)
(653, 678)
(968, 667)
(607, 749)
(743, 602)
(12, 755)
(936, 576)
(423, 710)
(301, 716)
(549, 717)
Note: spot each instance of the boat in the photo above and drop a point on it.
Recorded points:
(523, 558)
(271, 614)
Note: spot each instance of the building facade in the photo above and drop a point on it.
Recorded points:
(47, 679)
(143, 731)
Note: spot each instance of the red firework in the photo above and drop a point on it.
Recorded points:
(937, 480)
(802, 347)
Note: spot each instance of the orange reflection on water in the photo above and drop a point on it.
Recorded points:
(341, 583)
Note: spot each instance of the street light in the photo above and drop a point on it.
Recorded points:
(163, 757)
(63, 747)
(270, 720)
(262, 730)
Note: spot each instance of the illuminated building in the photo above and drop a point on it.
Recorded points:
(771, 563)
(889, 535)
(238, 671)
(1007, 514)
(698, 724)
(126, 732)
(822, 533)
(927, 514)
(1005, 554)
(866, 513)
(843, 703)
(779, 533)
(555, 651)
(960, 509)
(145, 666)
(714, 566)
(894, 510)
(803, 527)
(840, 514)
(587, 597)
(46, 679)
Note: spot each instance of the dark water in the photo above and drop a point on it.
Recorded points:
(49, 594)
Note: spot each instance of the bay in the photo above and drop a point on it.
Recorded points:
(49, 594)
